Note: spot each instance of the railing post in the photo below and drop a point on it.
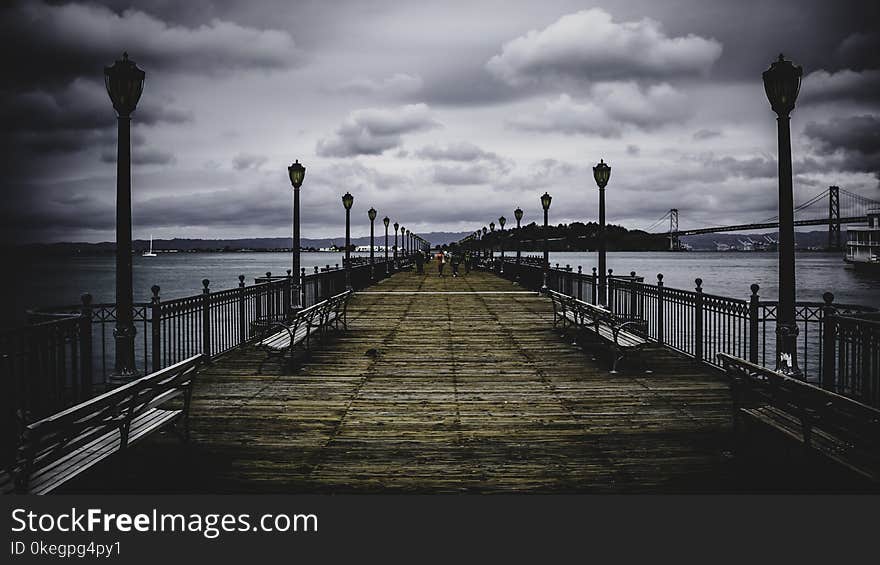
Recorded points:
(580, 279)
(242, 316)
(288, 290)
(660, 308)
(156, 329)
(698, 320)
(632, 296)
(206, 318)
(754, 306)
(85, 346)
(302, 287)
(593, 287)
(829, 342)
(270, 297)
(607, 299)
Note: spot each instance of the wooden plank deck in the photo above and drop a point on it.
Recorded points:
(447, 385)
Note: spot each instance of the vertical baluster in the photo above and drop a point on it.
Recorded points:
(660, 332)
(753, 324)
(155, 329)
(698, 320)
(206, 318)
(829, 338)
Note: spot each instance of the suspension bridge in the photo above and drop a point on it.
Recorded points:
(833, 207)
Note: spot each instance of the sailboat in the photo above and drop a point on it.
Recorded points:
(150, 252)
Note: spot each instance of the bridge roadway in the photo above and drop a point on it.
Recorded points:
(444, 385)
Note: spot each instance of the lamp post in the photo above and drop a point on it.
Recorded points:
(501, 221)
(483, 239)
(403, 242)
(347, 201)
(396, 227)
(492, 243)
(545, 204)
(782, 82)
(385, 221)
(297, 173)
(518, 214)
(602, 173)
(125, 84)
(371, 213)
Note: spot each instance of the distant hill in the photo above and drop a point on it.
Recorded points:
(256, 244)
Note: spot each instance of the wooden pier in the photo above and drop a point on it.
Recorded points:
(444, 385)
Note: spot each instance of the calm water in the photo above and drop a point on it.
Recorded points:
(58, 281)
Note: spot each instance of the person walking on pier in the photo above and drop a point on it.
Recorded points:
(420, 263)
(456, 258)
(441, 262)
(467, 262)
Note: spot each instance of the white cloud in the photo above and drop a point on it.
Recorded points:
(589, 46)
(398, 84)
(609, 108)
(372, 131)
(845, 84)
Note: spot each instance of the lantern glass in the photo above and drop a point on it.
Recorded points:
(545, 201)
(518, 213)
(386, 220)
(501, 221)
(782, 83)
(297, 173)
(371, 213)
(125, 84)
(492, 226)
(347, 200)
(396, 226)
(485, 230)
(601, 172)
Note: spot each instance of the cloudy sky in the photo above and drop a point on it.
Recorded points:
(442, 115)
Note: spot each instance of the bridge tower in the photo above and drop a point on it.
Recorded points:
(834, 218)
(674, 243)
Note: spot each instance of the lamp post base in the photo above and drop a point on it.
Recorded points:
(786, 350)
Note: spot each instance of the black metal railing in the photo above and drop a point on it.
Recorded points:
(65, 354)
(838, 344)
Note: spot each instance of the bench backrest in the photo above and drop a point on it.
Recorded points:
(55, 436)
(832, 412)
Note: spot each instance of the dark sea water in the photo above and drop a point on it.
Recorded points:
(60, 281)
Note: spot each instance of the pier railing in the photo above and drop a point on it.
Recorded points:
(838, 344)
(66, 354)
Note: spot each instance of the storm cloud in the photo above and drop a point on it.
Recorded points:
(590, 46)
(440, 116)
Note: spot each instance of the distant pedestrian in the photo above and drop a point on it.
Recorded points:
(455, 260)
(441, 262)
(467, 262)
(420, 263)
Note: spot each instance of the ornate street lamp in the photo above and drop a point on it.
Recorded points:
(403, 242)
(518, 214)
(501, 221)
(297, 173)
(545, 204)
(371, 213)
(125, 84)
(347, 201)
(385, 221)
(782, 82)
(396, 227)
(602, 173)
(483, 239)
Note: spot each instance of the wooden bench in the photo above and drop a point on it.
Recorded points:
(58, 448)
(824, 423)
(316, 318)
(569, 312)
